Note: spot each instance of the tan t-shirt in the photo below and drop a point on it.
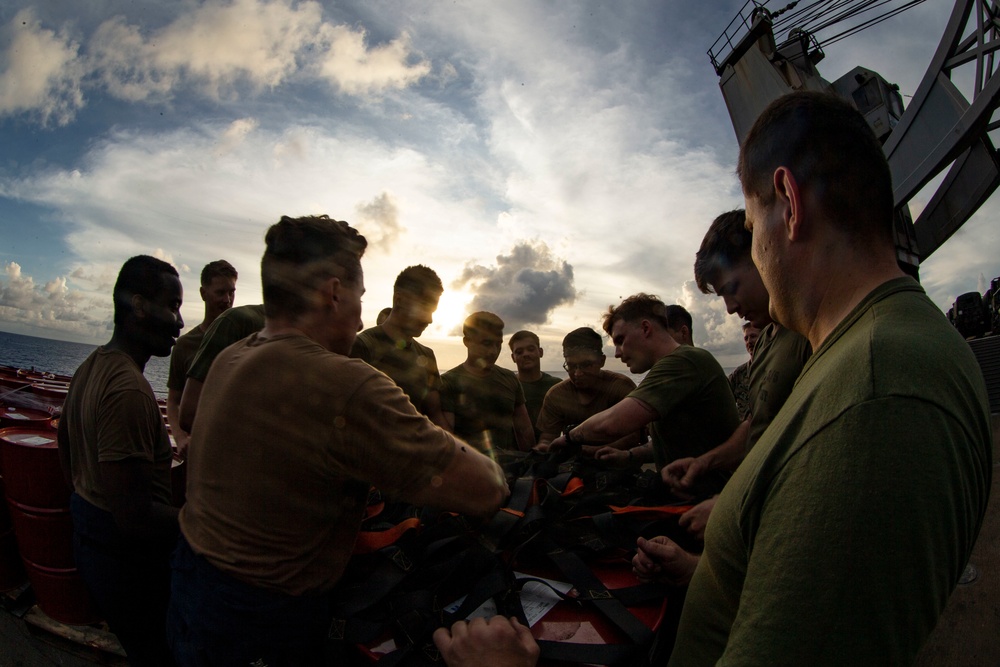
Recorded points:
(287, 440)
(111, 414)
(562, 406)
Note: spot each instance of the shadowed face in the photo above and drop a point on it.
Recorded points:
(160, 321)
(526, 355)
(218, 295)
(741, 288)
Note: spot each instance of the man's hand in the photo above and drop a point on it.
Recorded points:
(660, 559)
(696, 518)
(182, 440)
(682, 474)
(496, 641)
(553, 445)
(612, 456)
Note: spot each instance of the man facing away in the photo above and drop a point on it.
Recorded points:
(589, 389)
(684, 396)
(231, 326)
(218, 290)
(526, 353)
(680, 324)
(842, 534)
(114, 449)
(289, 436)
(482, 402)
(391, 346)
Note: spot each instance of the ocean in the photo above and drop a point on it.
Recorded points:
(63, 358)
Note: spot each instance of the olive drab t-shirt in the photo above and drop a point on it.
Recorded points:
(483, 406)
(842, 534)
(231, 326)
(181, 356)
(696, 411)
(410, 365)
(778, 358)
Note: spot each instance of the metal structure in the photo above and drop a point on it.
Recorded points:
(939, 129)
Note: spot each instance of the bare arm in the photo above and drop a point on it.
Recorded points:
(130, 498)
(189, 403)
(432, 403)
(181, 436)
(524, 432)
(471, 484)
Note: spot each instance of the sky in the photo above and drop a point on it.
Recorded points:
(546, 158)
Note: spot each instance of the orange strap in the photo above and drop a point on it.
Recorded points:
(369, 542)
(658, 512)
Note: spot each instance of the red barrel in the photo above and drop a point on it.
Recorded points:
(29, 458)
(61, 594)
(25, 418)
(38, 498)
(44, 536)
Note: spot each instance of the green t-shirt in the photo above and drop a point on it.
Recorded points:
(180, 357)
(411, 366)
(696, 411)
(778, 358)
(483, 406)
(231, 326)
(534, 396)
(841, 536)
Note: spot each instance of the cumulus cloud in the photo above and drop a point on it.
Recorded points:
(358, 70)
(214, 48)
(379, 221)
(39, 71)
(524, 286)
(54, 305)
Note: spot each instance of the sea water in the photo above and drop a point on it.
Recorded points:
(63, 358)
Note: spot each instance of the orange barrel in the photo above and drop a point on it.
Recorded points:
(25, 417)
(29, 458)
(61, 594)
(11, 570)
(44, 536)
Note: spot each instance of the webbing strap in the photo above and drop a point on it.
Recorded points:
(369, 541)
(584, 580)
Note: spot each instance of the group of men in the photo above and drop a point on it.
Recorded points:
(841, 501)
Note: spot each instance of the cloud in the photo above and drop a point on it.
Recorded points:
(54, 305)
(358, 70)
(217, 48)
(524, 286)
(39, 71)
(379, 221)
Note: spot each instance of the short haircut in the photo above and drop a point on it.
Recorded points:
(831, 151)
(585, 339)
(142, 275)
(482, 322)
(219, 268)
(747, 324)
(382, 316)
(418, 280)
(726, 244)
(637, 307)
(301, 252)
(522, 335)
(678, 316)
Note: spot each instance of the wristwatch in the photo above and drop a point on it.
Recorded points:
(570, 440)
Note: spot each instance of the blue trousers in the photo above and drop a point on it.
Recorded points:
(217, 620)
(129, 580)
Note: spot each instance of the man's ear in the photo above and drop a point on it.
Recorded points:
(788, 196)
(540, 353)
(600, 363)
(329, 290)
(138, 303)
